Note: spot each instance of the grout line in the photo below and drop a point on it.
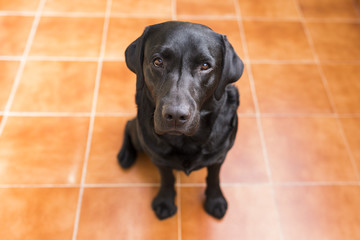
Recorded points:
(69, 114)
(184, 16)
(348, 149)
(270, 19)
(10, 58)
(74, 14)
(297, 19)
(63, 58)
(133, 114)
(115, 114)
(309, 61)
(92, 117)
(332, 20)
(48, 114)
(182, 185)
(258, 119)
(279, 184)
(316, 184)
(207, 17)
(22, 64)
(119, 59)
(271, 61)
(298, 115)
(141, 15)
(328, 92)
(316, 57)
(340, 62)
(18, 13)
(122, 59)
(173, 10)
(118, 185)
(45, 185)
(83, 14)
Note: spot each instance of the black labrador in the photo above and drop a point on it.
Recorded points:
(186, 117)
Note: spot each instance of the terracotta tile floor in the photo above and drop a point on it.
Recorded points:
(66, 94)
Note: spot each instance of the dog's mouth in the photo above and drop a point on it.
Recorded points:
(173, 132)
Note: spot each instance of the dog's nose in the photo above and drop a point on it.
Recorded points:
(176, 114)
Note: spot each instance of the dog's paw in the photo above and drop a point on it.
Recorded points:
(216, 207)
(126, 156)
(163, 208)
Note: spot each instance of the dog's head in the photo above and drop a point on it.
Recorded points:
(181, 66)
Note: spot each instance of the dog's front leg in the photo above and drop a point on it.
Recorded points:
(164, 203)
(215, 203)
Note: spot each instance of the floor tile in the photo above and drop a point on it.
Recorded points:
(290, 88)
(244, 162)
(125, 213)
(106, 143)
(123, 31)
(37, 213)
(117, 89)
(73, 37)
(84, 6)
(283, 41)
(37, 150)
(56, 87)
(328, 8)
(250, 215)
(307, 149)
(336, 41)
(8, 72)
(162, 8)
(351, 128)
(319, 212)
(205, 8)
(19, 5)
(14, 34)
(344, 86)
(272, 9)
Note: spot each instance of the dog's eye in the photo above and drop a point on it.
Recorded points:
(204, 66)
(158, 62)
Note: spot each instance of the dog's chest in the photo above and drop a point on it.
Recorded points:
(189, 163)
(188, 156)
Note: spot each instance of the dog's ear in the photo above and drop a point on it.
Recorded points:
(232, 68)
(134, 57)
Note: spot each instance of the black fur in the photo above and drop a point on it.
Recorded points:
(186, 116)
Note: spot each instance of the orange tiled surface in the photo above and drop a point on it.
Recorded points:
(66, 94)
